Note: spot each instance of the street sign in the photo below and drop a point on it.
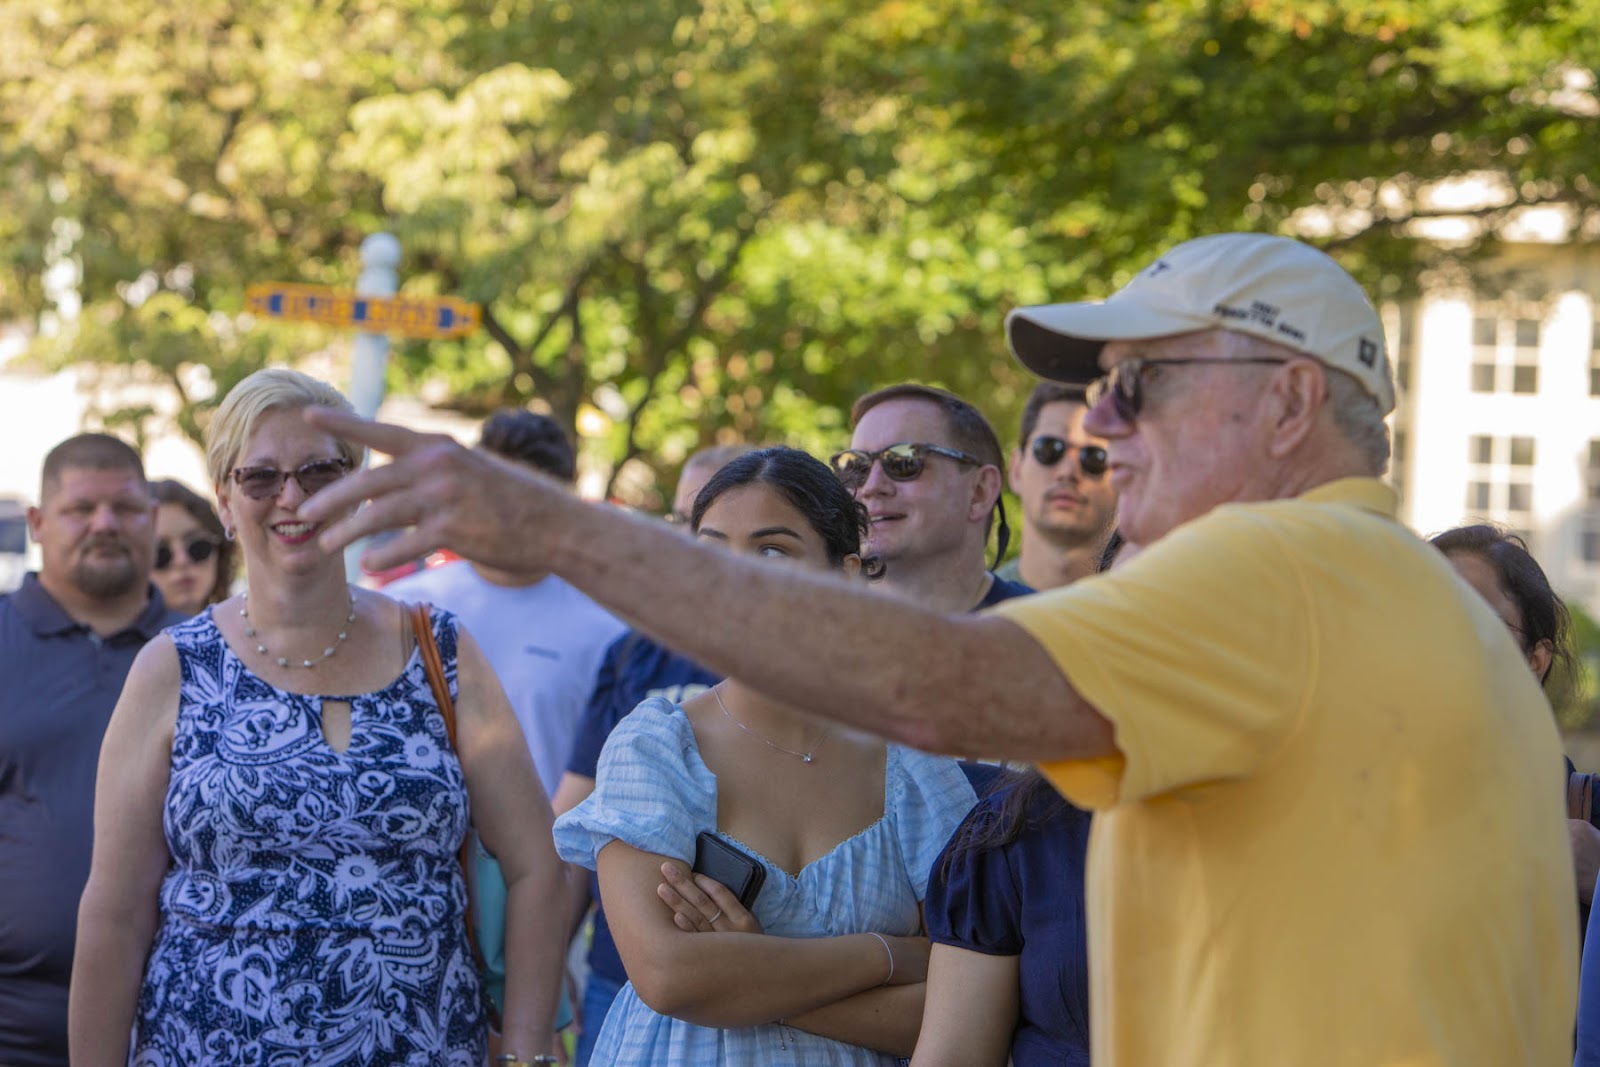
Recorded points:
(434, 318)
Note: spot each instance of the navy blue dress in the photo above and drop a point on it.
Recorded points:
(1024, 899)
(314, 911)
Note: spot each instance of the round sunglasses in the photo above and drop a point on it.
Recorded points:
(265, 483)
(1049, 450)
(902, 463)
(196, 548)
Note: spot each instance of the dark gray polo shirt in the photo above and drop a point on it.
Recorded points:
(58, 683)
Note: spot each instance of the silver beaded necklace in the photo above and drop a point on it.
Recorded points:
(284, 661)
(803, 756)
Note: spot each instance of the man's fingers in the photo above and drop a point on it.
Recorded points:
(407, 547)
(390, 482)
(384, 437)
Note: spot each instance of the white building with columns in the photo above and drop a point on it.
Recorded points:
(1498, 416)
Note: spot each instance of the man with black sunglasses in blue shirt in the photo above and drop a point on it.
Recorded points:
(1059, 474)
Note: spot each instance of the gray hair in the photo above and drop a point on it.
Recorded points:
(1358, 417)
(1355, 411)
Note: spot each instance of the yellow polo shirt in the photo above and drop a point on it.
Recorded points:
(1334, 834)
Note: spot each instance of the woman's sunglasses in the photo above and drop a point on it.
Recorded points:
(902, 462)
(1125, 382)
(197, 548)
(1048, 451)
(265, 483)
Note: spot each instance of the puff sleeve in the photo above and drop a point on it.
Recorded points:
(652, 791)
(930, 796)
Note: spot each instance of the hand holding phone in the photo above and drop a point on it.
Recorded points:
(734, 868)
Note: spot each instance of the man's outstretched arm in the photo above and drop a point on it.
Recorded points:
(961, 685)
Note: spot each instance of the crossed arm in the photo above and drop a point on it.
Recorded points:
(826, 985)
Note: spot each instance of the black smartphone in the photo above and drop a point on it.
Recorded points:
(740, 872)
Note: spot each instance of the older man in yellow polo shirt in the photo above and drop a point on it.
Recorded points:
(1330, 820)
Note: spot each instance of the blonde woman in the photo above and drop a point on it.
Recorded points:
(278, 811)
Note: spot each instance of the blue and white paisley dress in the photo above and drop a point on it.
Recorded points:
(313, 913)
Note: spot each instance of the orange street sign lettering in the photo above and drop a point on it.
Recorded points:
(434, 318)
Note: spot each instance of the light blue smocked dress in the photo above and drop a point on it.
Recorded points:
(313, 912)
(655, 793)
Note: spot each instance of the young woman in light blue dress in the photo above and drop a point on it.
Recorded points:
(828, 965)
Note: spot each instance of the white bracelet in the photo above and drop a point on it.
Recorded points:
(890, 951)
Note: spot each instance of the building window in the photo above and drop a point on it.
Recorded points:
(1594, 361)
(1500, 479)
(1397, 460)
(1505, 355)
(1404, 347)
(1589, 548)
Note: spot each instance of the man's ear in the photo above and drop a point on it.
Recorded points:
(1014, 469)
(35, 523)
(1298, 392)
(985, 492)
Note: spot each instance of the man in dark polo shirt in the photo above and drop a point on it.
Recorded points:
(67, 639)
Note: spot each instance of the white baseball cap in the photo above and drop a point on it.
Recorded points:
(1273, 287)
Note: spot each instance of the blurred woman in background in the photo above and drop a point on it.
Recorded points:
(195, 561)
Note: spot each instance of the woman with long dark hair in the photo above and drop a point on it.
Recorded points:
(195, 563)
(826, 965)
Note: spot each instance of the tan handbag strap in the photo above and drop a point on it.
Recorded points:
(433, 663)
(1580, 796)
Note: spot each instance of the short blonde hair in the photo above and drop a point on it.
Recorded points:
(272, 389)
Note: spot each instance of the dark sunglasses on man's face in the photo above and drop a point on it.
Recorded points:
(1125, 381)
(1049, 450)
(902, 462)
(197, 548)
(265, 483)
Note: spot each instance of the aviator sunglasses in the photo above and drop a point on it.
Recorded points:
(196, 548)
(265, 483)
(1048, 451)
(1125, 381)
(902, 462)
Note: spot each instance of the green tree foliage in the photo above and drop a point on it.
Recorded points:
(1573, 687)
(727, 218)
